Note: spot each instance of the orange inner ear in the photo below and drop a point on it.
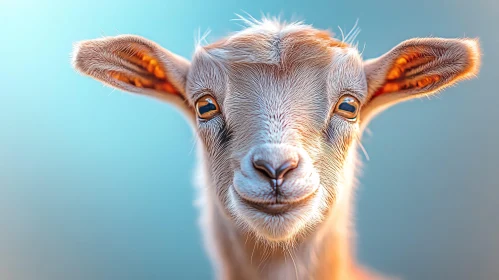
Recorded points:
(150, 75)
(400, 77)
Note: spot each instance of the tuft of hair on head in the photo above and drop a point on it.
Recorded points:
(276, 42)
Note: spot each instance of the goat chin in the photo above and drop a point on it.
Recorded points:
(284, 226)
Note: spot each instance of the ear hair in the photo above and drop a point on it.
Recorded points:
(134, 64)
(416, 67)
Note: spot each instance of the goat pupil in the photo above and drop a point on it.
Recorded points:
(207, 108)
(347, 107)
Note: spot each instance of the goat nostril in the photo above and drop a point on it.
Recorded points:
(285, 168)
(265, 168)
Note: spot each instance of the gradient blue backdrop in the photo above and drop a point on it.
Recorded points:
(96, 184)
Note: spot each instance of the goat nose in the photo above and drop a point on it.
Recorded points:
(278, 173)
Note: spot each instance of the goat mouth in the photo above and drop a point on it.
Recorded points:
(275, 208)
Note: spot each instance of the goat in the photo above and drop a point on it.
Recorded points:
(279, 109)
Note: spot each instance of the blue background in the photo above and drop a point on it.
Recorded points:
(97, 184)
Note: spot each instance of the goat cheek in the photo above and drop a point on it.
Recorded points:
(339, 139)
(208, 138)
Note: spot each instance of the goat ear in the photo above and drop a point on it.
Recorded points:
(134, 64)
(415, 68)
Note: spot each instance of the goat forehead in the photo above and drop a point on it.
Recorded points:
(307, 87)
(341, 68)
(268, 89)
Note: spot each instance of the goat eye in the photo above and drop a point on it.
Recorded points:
(207, 107)
(347, 107)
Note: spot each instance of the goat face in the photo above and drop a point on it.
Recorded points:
(277, 138)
